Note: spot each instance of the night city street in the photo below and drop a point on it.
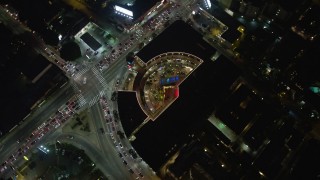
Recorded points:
(160, 89)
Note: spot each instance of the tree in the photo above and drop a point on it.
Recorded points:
(154, 35)
(130, 57)
(167, 23)
(140, 45)
(121, 134)
(70, 51)
(109, 36)
(196, 16)
(50, 37)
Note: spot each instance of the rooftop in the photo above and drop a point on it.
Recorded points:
(130, 111)
(90, 41)
(179, 37)
(199, 93)
(139, 7)
(232, 33)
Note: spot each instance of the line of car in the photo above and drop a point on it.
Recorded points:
(67, 111)
(116, 52)
(113, 132)
(127, 43)
(64, 113)
(67, 67)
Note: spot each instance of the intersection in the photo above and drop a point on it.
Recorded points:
(86, 88)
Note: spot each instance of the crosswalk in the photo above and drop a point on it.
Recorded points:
(96, 98)
(93, 101)
(74, 86)
(85, 101)
(80, 73)
(100, 78)
(88, 103)
(82, 100)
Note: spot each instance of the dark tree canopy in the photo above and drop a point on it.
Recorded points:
(130, 57)
(70, 51)
(50, 37)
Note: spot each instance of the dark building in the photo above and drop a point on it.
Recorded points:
(265, 137)
(234, 27)
(200, 91)
(138, 8)
(26, 78)
(91, 41)
(178, 32)
(171, 129)
(130, 112)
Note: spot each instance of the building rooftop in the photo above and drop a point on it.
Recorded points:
(90, 41)
(179, 37)
(232, 33)
(198, 94)
(139, 7)
(131, 114)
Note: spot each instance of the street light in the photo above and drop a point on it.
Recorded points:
(26, 158)
(43, 149)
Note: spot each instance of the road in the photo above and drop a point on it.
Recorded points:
(34, 120)
(11, 23)
(82, 142)
(89, 92)
(113, 145)
(110, 153)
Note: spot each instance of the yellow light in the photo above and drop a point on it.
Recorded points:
(261, 173)
(26, 158)
(240, 29)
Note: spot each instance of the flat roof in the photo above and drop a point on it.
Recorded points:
(244, 116)
(224, 17)
(232, 33)
(199, 94)
(130, 112)
(90, 41)
(178, 37)
(32, 68)
(139, 7)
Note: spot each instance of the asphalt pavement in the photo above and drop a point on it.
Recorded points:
(42, 114)
(97, 84)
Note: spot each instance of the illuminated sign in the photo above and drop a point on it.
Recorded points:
(315, 89)
(123, 10)
(170, 80)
